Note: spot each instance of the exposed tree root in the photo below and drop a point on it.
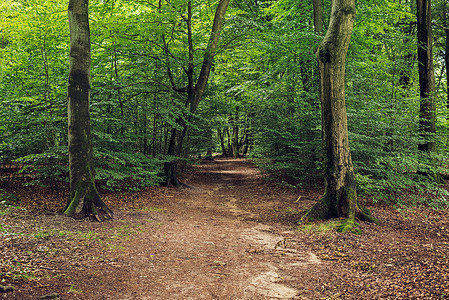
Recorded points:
(88, 206)
(364, 214)
(323, 210)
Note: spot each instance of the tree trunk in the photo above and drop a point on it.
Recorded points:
(84, 198)
(194, 92)
(222, 143)
(340, 196)
(228, 140)
(235, 134)
(426, 76)
(235, 141)
(318, 17)
(174, 150)
(243, 142)
(446, 52)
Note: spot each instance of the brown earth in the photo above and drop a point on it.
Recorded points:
(232, 235)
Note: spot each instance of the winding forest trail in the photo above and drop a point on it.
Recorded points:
(233, 235)
(212, 244)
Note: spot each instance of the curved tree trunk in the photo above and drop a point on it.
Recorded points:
(84, 198)
(340, 196)
(194, 92)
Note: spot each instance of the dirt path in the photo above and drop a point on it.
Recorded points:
(231, 236)
(212, 247)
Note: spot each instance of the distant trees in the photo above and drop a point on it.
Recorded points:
(151, 109)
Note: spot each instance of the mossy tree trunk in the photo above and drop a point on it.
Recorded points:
(340, 196)
(194, 90)
(84, 199)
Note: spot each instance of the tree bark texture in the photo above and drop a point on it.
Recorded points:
(446, 51)
(235, 142)
(84, 198)
(221, 135)
(195, 91)
(340, 196)
(318, 17)
(426, 75)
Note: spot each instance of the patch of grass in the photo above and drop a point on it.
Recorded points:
(88, 235)
(25, 275)
(151, 209)
(5, 231)
(320, 227)
(74, 290)
(122, 233)
(18, 271)
(6, 209)
(115, 247)
(125, 231)
(349, 225)
(45, 234)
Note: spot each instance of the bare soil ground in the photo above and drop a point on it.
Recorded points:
(233, 235)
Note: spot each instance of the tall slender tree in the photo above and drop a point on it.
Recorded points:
(340, 196)
(194, 89)
(318, 17)
(446, 47)
(427, 109)
(84, 198)
(446, 51)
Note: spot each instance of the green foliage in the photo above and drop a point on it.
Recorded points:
(383, 105)
(45, 169)
(74, 290)
(7, 199)
(264, 84)
(290, 144)
(271, 79)
(127, 171)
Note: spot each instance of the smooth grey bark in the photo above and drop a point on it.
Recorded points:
(340, 196)
(318, 17)
(84, 198)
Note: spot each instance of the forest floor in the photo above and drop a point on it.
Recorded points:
(232, 235)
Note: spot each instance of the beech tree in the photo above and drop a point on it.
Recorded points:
(193, 89)
(147, 58)
(84, 198)
(340, 195)
(426, 75)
